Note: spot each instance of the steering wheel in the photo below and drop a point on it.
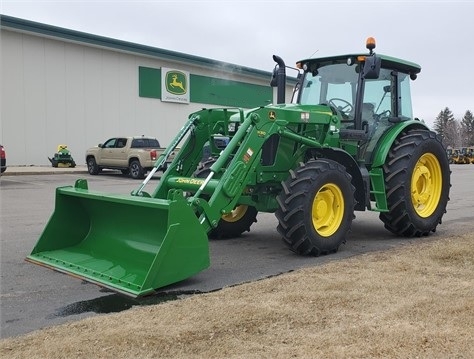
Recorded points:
(346, 107)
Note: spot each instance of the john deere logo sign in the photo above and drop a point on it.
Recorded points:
(175, 85)
(176, 82)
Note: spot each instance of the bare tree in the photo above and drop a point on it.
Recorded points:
(467, 125)
(453, 136)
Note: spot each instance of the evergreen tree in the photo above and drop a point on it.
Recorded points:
(467, 124)
(443, 126)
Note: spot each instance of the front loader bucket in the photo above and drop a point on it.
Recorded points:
(132, 245)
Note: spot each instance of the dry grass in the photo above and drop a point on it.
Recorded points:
(415, 301)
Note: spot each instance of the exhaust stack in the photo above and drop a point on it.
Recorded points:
(279, 78)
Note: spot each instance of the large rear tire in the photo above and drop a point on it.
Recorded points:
(235, 223)
(316, 208)
(417, 182)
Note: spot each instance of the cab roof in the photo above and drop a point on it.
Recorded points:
(387, 62)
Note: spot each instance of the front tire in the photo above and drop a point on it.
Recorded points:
(417, 181)
(316, 208)
(235, 223)
(92, 167)
(136, 170)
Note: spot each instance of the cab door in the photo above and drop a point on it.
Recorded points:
(119, 153)
(113, 152)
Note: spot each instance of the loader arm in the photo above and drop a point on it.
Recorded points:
(232, 177)
(220, 192)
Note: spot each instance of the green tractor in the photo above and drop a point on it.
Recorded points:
(347, 142)
(62, 158)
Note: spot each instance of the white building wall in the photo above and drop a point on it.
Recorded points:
(57, 92)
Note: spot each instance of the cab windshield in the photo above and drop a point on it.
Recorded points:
(334, 84)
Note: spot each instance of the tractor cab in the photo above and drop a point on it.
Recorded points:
(368, 92)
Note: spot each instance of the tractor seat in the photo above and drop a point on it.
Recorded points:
(367, 116)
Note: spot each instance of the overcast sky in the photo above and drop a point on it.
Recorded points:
(438, 35)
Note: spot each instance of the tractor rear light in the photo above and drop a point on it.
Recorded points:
(361, 58)
(153, 155)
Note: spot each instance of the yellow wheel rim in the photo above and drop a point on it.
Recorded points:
(426, 185)
(328, 210)
(237, 214)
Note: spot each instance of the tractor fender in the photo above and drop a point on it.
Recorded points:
(360, 176)
(389, 137)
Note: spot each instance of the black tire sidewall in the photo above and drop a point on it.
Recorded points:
(228, 229)
(401, 200)
(306, 239)
(92, 167)
(136, 170)
(429, 223)
(332, 242)
(341, 182)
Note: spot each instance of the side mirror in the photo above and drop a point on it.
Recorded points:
(372, 67)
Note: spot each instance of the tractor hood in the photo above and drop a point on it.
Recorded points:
(322, 114)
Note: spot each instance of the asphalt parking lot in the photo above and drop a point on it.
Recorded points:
(33, 297)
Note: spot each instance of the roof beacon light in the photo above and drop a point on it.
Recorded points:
(370, 44)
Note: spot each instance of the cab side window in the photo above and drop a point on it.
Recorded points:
(121, 142)
(110, 143)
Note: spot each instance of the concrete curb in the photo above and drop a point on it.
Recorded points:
(42, 170)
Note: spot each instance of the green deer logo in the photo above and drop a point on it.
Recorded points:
(176, 82)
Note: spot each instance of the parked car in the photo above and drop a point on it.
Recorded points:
(131, 155)
(3, 156)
